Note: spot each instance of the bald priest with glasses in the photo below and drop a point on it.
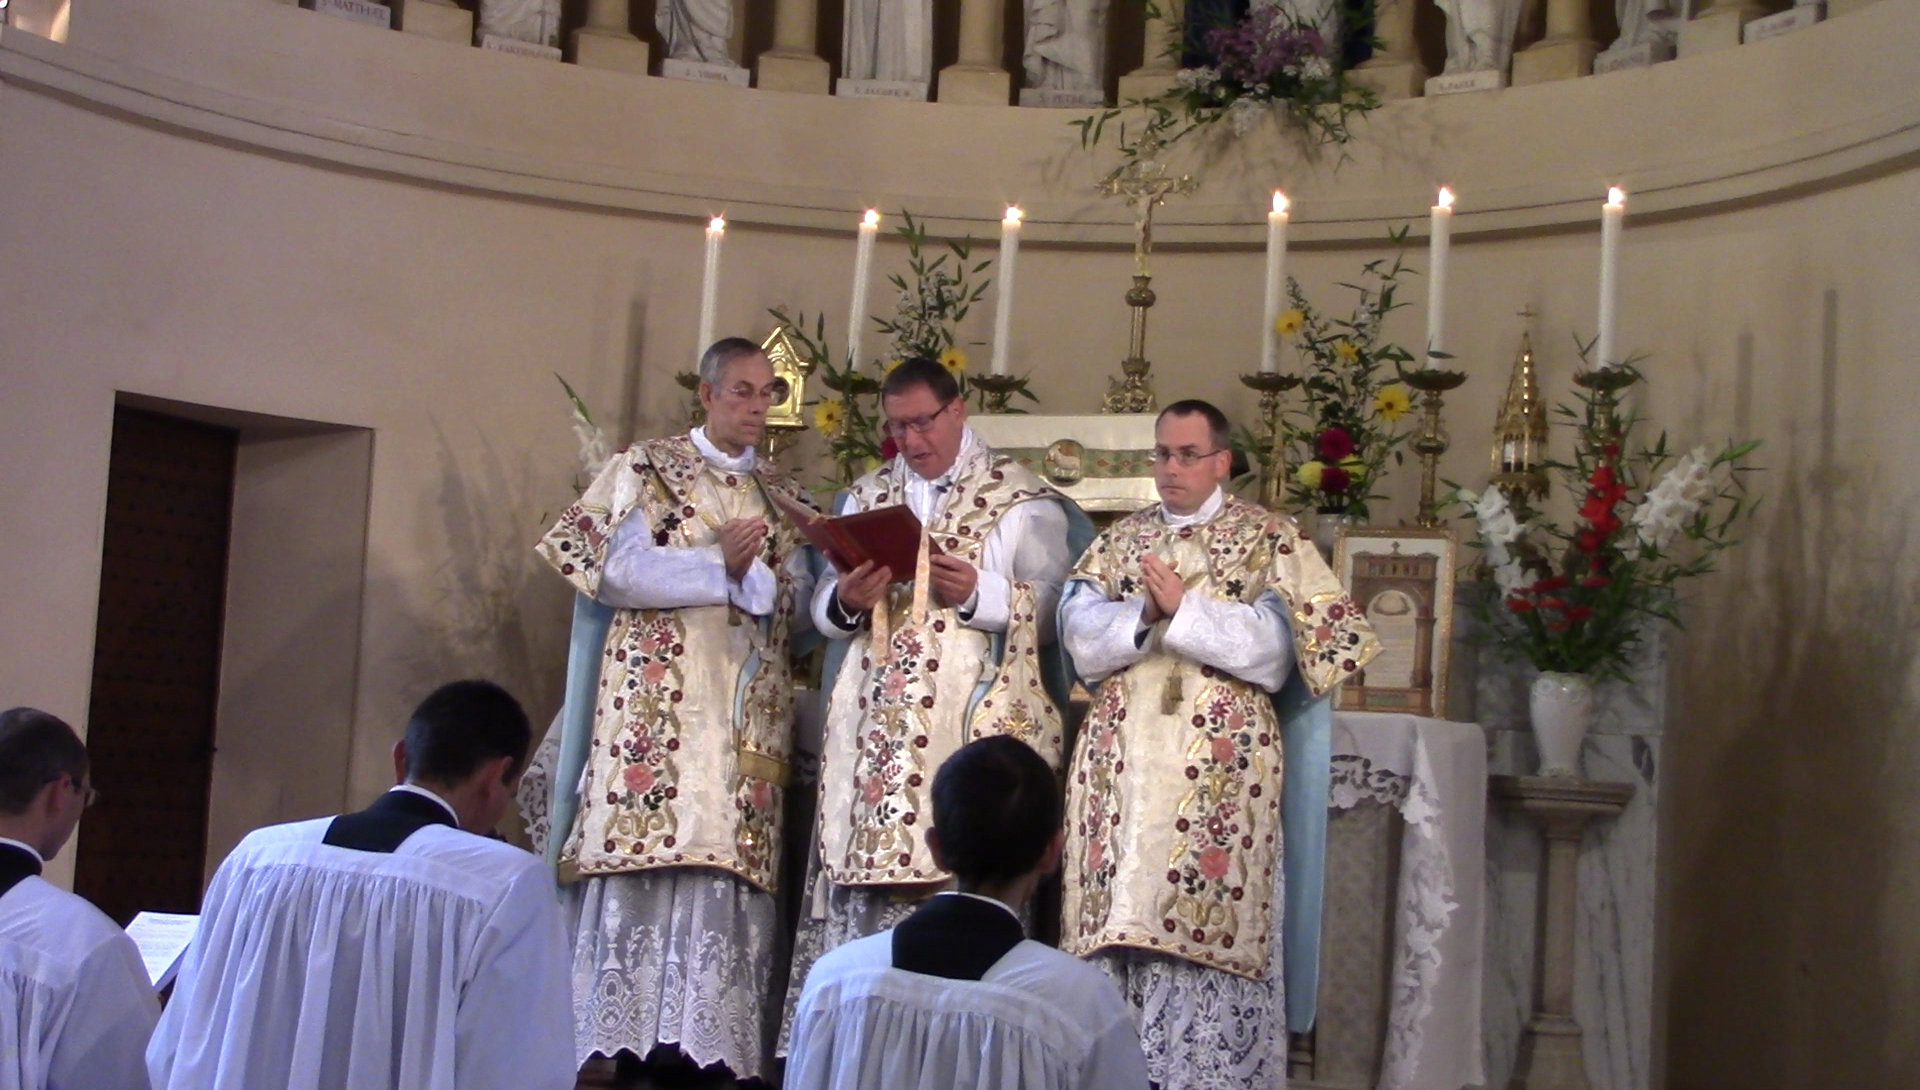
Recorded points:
(1213, 634)
(918, 666)
(668, 784)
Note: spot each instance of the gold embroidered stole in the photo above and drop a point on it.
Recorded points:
(692, 731)
(904, 699)
(1173, 818)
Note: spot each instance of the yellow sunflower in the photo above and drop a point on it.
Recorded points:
(1309, 473)
(829, 416)
(1346, 350)
(1393, 401)
(1290, 322)
(954, 359)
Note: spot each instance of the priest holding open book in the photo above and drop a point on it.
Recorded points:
(924, 660)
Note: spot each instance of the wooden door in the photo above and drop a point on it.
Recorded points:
(156, 663)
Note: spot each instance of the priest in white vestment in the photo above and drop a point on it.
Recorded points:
(1188, 616)
(956, 997)
(76, 1006)
(670, 772)
(916, 667)
(396, 948)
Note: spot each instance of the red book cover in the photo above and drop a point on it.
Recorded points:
(889, 536)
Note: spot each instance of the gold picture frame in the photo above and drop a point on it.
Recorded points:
(1403, 580)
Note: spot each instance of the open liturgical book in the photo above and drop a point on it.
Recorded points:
(888, 536)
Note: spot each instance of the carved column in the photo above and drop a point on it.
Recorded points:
(1567, 50)
(1550, 1051)
(1160, 58)
(1717, 26)
(1394, 70)
(794, 62)
(605, 40)
(978, 78)
(441, 20)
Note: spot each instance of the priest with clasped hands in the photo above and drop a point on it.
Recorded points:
(919, 664)
(1189, 617)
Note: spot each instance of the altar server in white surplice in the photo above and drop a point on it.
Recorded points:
(397, 947)
(75, 1003)
(915, 668)
(670, 772)
(955, 997)
(1188, 616)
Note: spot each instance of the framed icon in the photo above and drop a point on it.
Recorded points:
(1402, 579)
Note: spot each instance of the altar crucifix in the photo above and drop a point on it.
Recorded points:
(1144, 182)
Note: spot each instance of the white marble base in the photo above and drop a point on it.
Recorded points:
(500, 43)
(1644, 55)
(883, 88)
(1614, 984)
(1053, 98)
(1798, 17)
(360, 11)
(705, 72)
(1460, 83)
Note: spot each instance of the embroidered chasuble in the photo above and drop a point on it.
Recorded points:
(917, 682)
(692, 709)
(1174, 793)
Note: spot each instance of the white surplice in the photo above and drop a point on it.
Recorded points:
(1038, 1020)
(76, 1006)
(439, 966)
(1202, 1028)
(677, 955)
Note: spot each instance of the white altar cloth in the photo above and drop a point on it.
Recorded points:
(1434, 772)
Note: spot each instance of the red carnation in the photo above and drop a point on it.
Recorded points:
(1602, 477)
(1334, 480)
(1334, 444)
(1589, 541)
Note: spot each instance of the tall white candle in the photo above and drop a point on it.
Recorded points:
(1276, 282)
(1611, 215)
(862, 273)
(1003, 301)
(710, 285)
(1439, 238)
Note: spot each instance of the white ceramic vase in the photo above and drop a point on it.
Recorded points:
(1561, 706)
(1327, 528)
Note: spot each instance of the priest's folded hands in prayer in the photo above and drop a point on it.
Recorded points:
(1164, 589)
(740, 542)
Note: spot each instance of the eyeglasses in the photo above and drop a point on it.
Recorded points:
(91, 794)
(773, 393)
(1185, 458)
(918, 425)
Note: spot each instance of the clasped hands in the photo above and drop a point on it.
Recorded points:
(1164, 589)
(740, 542)
(951, 579)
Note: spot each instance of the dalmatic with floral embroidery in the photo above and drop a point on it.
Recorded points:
(1173, 815)
(692, 727)
(914, 689)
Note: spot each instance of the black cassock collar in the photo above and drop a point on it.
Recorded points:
(16, 866)
(387, 824)
(955, 937)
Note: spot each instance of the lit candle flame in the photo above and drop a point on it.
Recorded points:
(718, 223)
(1280, 203)
(1616, 197)
(871, 219)
(1446, 197)
(1014, 214)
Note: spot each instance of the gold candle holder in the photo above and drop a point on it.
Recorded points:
(1603, 418)
(1271, 385)
(1433, 384)
(1134, 393)
(997, 388)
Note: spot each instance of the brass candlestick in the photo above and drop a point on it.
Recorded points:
(1603, 418)
(1271, 385)
(1432, 441)
(1134, 393)
(998, 389)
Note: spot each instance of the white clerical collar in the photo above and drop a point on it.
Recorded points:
(968, 444)
(416, 789)
(741, 463)
(1205, 512)
(35, 852)
(1001, 905)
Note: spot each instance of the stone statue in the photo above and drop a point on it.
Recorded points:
(1649, 22)
(1480, 33)
(888, 40)
(536, 21)
(1066, 44)
(696, 30)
